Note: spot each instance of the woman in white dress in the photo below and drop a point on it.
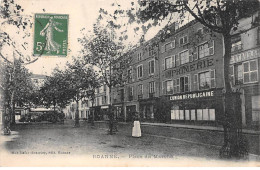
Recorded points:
(48, 31)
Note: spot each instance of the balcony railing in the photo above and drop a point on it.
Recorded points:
(140, 96)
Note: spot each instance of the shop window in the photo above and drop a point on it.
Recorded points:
(181, 115)
(184, 57)
(206, 49)
(250, 71)
(199, 114)
(192, 115)
(184, 84)
(175, 114)
(212, 114)
(140, 71)
(151, 67)
(187, 114)
(168, 62)
(183, 40)
(206, 80)
(255, 108)
(169, 87)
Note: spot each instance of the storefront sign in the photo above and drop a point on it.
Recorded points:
(193, 95)
(189, 67)
(248, 55)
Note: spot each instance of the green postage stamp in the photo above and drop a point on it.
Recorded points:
(50, 35)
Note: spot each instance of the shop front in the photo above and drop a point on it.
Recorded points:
(118, 110)
(201, 107)
(148, 110)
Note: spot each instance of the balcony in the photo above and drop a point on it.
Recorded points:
(151, 95)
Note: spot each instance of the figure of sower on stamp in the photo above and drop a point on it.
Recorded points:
(48, 31)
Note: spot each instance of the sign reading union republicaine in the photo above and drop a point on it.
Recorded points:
(50, 34)
(193, 95)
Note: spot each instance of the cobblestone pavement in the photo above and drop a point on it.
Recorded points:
(158, 144)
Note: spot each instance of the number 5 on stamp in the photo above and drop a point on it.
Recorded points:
(50, 35)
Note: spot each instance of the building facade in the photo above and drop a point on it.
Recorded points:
(181, 79)
(244, 69)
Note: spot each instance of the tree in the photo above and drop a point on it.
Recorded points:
(105, 53)
(221, 16)
(16, 85)
(11, 16)
(77, 79)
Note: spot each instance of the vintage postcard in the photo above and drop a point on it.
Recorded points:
(129, 83)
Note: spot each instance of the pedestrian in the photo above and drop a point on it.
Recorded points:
(136, 131)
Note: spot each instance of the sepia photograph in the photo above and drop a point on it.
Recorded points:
(130, 83)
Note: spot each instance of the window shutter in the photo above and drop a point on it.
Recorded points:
(163, 64)
(231, 74)
(195, 55)
(173, 43)
(177, 60)
(195, 83)
(211, 47)
(163, 87)
(190, 55)
(212, 75)
(178, 85)
(174, 86)
(189, 85)
(173, 61)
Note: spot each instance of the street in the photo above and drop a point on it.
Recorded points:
(157, 143)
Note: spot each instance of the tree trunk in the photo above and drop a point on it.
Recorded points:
(110, 115)
(93, 114)
(12, 112)
(77, 114)
(232, 123)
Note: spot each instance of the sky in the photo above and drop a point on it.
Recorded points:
(82, 14)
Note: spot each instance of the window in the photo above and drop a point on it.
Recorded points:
(140, 89)
(184, 40)
(169, 87)
(151, 67)
(140, 71)
(129, 73)
(184, 57)
(255, 108)
(139, 56)
(236, 44)
(176, 86)
(207, 80)
(184, 84)
(151, 51)
(168, 62)
(250, 71)
(131, 93)
(206, 49)
(238, 70)
(169, 46)
(104, 99)
(151, 87)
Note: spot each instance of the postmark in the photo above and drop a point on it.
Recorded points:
(50, 35)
